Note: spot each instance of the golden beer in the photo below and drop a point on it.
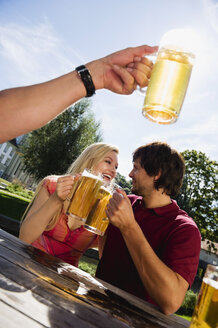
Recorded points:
(84, 196)
(206, 310)
(97, 221)
(167, 86)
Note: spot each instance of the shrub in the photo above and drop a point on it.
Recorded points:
(88, 265)
(188, 304)
(16, 187)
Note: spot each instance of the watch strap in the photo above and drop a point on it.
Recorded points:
(86, 79)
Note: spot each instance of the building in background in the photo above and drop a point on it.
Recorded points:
(11, 164)
(7, 151)
(208, 256)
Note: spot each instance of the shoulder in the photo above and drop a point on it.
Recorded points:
(50, 183)
(178, 221)
(184, 218)
(186, 225)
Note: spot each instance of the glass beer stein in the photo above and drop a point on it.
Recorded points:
(169, 78)
(84, 196)
(97, 221)
(205, 314)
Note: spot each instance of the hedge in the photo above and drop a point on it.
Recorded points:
(12, 205)
(188, 305)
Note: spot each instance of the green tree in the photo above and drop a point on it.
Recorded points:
(52, 148)
(123, 183)
(199, 193)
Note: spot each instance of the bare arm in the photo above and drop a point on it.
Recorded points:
(27, 108)
(44, 208)
(166, 287)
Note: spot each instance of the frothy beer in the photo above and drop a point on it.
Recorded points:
(84, 196)
(97, 221)
(206, 309)
(167, 86)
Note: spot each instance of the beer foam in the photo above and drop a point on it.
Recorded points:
(106, 189)
(88, 174)
(180, 39)
(211, 282)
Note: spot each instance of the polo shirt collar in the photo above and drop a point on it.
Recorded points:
(164, 211)
(168, 210)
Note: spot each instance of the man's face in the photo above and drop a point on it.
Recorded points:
(142, 183)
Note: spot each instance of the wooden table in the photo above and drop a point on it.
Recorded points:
(39, 290)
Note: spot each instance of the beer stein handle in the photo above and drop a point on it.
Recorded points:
(142, 91)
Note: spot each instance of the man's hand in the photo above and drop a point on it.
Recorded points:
(119, 211)
(122, 71)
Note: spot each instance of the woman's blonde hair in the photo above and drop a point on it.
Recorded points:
(88, 159)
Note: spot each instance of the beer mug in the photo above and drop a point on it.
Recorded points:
(97, 221)
(169, 78)
(84, 196)
(206, 309)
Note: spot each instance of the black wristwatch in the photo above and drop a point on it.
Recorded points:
(86, 79)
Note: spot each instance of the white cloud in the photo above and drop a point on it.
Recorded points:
(211, 11)
(34, 54)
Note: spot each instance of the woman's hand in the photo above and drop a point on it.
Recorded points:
(64, 186)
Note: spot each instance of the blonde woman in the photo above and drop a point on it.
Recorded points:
(46, 224)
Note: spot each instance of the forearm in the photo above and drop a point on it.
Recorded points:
(27, 108)
(35, 224)
(161, 283)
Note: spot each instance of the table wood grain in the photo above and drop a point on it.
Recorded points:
(39, 290)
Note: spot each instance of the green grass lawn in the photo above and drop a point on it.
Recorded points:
(13, 195)
(88, 264)
(185, 317)
(5, 181)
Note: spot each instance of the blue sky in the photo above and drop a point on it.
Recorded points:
(42, 39)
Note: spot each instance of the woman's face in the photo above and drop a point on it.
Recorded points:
(108, 166)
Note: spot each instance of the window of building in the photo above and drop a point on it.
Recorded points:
(18, 167)
(11, 152)
(7, 162)
(7, 147)
(2, 147)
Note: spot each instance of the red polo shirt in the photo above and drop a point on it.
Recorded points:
(172, 234)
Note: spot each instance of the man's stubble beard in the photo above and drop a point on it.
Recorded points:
(135, 191)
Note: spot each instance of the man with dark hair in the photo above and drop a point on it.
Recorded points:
(159, 157)
(152, 247)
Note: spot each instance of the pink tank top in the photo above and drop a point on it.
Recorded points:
(68, 245)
